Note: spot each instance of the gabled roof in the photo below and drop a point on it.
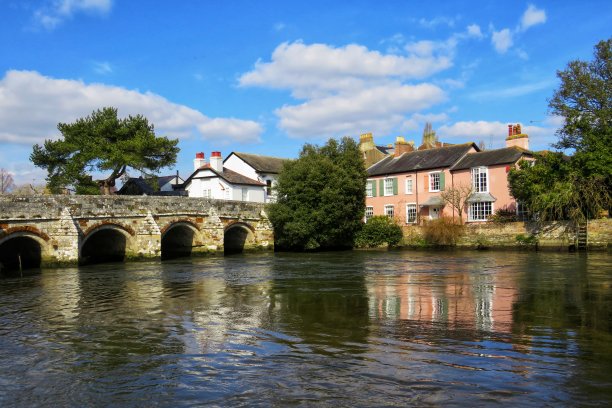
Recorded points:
(492, 157)
(228, 175)
(261, 164)
(139, 185)
(163, 180)
(421, 160)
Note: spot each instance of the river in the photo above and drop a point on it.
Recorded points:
(375, 328)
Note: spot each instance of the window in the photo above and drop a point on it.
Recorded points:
(369, 192)
(479, 179)
(411, 213)
(207, 193)
(480, 211)
(369, 213)
(268, 187)
(408, 186)
(389, 211)
(245, 194)
(434, 181)
(522, 212)
(388, 186)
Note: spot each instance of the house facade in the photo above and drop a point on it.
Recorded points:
(257, 167)
(213, 180)
(409, 184)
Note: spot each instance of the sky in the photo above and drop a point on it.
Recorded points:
(266, 77)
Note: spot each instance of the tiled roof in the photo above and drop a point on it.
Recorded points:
(421, 160)
(263, 164)
(492, 157)
(228, 175)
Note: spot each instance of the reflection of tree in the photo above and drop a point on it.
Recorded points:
(324, 302)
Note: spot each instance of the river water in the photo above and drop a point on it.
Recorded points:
(396, 328)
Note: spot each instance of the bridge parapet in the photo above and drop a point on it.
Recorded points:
(62, 224)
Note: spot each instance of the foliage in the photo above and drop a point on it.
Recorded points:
(379, 230)
(576, 187)
(503, 215)
(30, 189)
(527, 240)
(6, 181)
(456, 197)
(429, 136)
(321, 197)
(442, 232)
(102, 142)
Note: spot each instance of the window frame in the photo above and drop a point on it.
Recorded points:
(406, 189)
(410, 206)
(369, 189)
(432, 181)
(480, 212)
(392, 207)
(366, 215)
(388, 180)
(478, 173)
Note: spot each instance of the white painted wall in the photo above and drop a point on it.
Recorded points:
(220, 189)
(235, 163)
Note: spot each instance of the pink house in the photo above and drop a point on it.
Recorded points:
(408, 184)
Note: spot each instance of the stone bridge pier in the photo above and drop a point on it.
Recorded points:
(58, 230)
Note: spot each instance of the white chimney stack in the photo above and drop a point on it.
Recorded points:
(216, 162)
(199, 161)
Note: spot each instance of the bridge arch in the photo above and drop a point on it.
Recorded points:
(22, 247)
(237, 236)
(177, 239)
(106, 242)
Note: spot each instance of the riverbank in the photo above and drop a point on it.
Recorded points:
(553, 236)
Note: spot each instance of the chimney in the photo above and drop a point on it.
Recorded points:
(216, 162)
(199, 161)
(366, 142)
(401, 146)
(516, 137)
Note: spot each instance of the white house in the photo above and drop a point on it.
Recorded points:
(213, 180)
(257, 167)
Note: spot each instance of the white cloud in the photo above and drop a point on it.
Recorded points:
(103, 68)
(532, 16)
(502, 40)
(437, 21)
(57, 11)
(473, 30)
(31, 105)
(310, 70)
(378, 109)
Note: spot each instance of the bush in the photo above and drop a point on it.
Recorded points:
(442, 232)
(379, 230)
(527, 240)
(503, 215)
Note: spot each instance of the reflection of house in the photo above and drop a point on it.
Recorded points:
(214, 180)
(257, 167)
(164, 185)
(409, 183)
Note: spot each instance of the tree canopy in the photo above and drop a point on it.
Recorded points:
(578, 186)
(102, 142)
(321, 197)
(6, 181)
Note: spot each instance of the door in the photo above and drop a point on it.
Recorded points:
(434, 213)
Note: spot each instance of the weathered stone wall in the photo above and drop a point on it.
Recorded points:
(61, 224)
(558, 235)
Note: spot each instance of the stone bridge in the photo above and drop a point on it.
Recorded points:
(57, 230)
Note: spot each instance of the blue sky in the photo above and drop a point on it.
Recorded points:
(267, 76)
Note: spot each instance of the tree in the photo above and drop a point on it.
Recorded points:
(321, 197)
(102, 142)
(429, 136)
(456, 197)
(29, 190)
(6, 181)
(575, 187)
(379, 230)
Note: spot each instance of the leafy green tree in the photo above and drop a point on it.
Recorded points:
(576, 187)
(321, 197)
(102, 142)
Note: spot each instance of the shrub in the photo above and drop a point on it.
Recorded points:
(527, 240)
(442, 232)
(503, 215)
(379, 230)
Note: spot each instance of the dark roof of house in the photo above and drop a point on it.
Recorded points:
(385, 149)
(492, 157)
(421, 160)
(162, 180)
(228, 175)
(139, 185)
(263, 164)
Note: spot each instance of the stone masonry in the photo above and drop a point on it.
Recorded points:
(62, 224)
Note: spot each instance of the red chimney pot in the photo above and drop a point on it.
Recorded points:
(199, 155)
(509, 130)
(216, 154)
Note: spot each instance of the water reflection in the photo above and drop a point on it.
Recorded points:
(349, 328)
